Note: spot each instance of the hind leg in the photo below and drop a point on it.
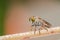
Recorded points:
(45, 27)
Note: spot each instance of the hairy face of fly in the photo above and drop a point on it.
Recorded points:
(33, 18)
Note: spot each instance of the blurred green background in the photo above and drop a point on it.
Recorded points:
(3, 6)
(2, 14)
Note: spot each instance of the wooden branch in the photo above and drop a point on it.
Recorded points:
(27, 35)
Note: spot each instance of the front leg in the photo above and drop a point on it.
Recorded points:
(31, 28)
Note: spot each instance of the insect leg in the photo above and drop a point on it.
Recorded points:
(35, 30)
(39, 31)
(45, 28)
(31, 28)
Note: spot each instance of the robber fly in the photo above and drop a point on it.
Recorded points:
(37, 23)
